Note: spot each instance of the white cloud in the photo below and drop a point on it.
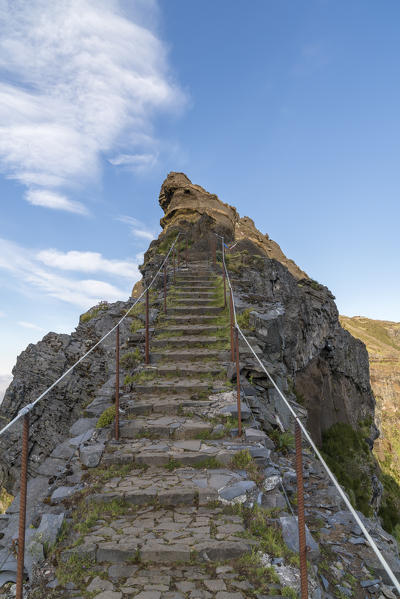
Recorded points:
(53, 200)
(28, 272)
(137, 228)
(135, 162)
(83, 80)
(29, 325)
(87, 262)
(5, 380)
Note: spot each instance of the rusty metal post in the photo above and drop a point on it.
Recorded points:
(165, 288)
(232, 327)
(224, 276)
(239, 409)
(215, 252)
(117, 384)
(300, 515)
(22, 507)
(147, 329)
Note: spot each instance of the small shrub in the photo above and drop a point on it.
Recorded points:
(93, 312)
(289, 592)
(131, 359)
(136, 324)
(283, 441)
(106, 418)
(243, 319)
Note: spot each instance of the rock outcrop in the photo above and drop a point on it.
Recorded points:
(164, 492)
(36, 369)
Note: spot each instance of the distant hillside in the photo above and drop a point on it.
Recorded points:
(382, 339)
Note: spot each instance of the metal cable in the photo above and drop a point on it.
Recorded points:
(311, 442)
(26, 409)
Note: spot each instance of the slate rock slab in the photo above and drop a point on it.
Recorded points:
(91, 455)
(290, 534)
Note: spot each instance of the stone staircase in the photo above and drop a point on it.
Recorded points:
(155, 522)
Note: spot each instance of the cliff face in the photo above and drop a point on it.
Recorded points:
(382, 339)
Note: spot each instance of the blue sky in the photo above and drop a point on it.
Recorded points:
(288, 110)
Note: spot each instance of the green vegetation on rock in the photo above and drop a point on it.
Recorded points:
(93, 312)
(106, 418)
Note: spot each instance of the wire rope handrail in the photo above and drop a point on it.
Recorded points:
(29, 407)
(343, 495)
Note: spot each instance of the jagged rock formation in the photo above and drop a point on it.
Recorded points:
(36, 369)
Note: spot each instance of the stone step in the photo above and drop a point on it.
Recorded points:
(167, 387)
(188, 329)
(180, 286)
(188, 369)
(178, 453)
(172, 404)
(187, 319)
(154, 537)
(190, 355)
(195, 309)
(165, 427)
(199, 301)
(187, 291)
(186, 340)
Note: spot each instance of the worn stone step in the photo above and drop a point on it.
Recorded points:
(209, 301)
(161, 426)
(187, 319)
(188, 329)
(186, 340)
(195, 309)
(187, 368)
(198, 293)
(172, 404)
(166, 387)
(181, 287)
(190, 355)
(181, 453)
(155, 537)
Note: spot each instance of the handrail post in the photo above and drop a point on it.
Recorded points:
(117, 384)
(187, 252)
(22, 507)
(224, 276)
(147, 329)
(179, 258)
(232, 327)
(239, 408)
(173, 261)
(300, 515)
(165, 288)
(215, 252)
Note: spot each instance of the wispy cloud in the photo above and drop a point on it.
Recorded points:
(29, 325)
(79, 80)
(49, 199)
(137, 228)
(135, 162)
(87, 262)
(28, 271)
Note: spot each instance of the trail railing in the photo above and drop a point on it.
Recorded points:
(299, 429)
(26, 410)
